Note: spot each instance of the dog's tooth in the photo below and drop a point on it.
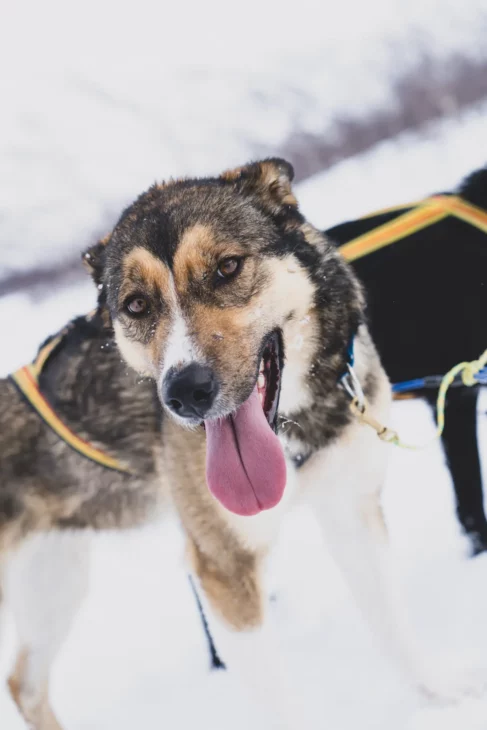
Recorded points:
(261, 380)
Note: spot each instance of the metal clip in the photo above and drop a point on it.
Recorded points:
(351, 384)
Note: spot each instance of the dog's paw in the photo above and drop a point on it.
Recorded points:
(446, 685)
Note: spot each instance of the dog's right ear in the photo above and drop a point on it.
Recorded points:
(268, 180)
(94, 260)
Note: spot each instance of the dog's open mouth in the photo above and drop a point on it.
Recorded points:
(245, 465)
(269, 380)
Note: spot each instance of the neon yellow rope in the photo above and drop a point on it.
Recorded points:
(468, 370)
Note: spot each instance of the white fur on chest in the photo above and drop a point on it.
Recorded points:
(353, 465)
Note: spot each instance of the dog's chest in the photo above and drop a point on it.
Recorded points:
(351, 466)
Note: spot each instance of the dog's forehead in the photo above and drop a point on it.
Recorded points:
(204, 214)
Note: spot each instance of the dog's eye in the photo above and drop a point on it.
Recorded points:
(137, 306)
(228, 267)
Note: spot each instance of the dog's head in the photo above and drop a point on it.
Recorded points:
(208, 286)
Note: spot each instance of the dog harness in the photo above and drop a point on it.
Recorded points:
(26, 379)
(416, 217)
(423, 214)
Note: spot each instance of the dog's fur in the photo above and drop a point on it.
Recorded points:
(167, 247)
(427, 298)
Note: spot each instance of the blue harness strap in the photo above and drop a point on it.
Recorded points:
(410, 386)
(434, 382)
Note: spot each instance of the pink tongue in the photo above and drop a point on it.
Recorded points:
(245, 467)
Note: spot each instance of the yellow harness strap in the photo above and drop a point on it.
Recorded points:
(425, 214)
(27, 381)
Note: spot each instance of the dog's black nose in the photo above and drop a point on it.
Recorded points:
(191, 391)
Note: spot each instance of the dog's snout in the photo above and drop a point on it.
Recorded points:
(190, 392)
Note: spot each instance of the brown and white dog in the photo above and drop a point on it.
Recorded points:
(243, 316)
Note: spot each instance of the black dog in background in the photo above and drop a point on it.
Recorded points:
(427, 306)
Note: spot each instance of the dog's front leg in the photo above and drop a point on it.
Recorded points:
(48, 579)
(234, 603)
(356, 534)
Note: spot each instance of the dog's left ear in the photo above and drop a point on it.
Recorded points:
(269, 180)
(94, 260)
